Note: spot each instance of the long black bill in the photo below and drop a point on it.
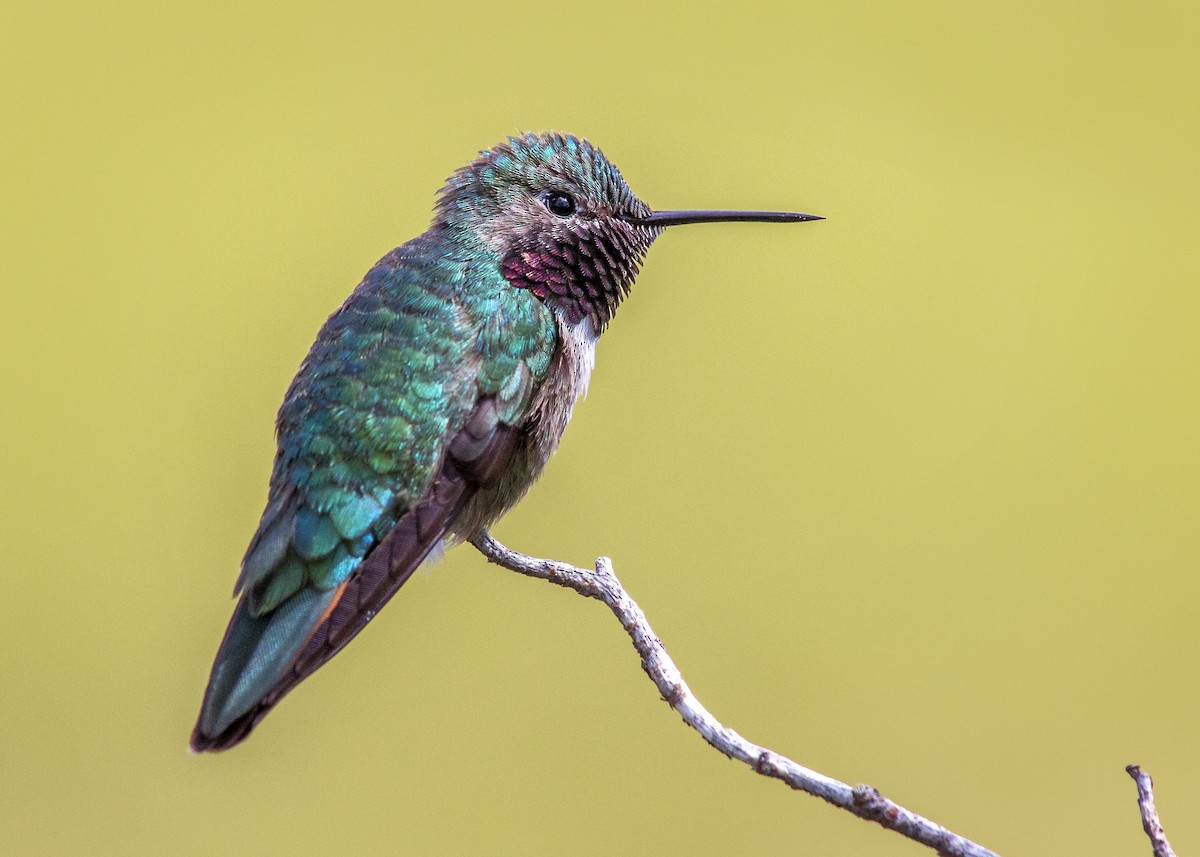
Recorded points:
(676, 218)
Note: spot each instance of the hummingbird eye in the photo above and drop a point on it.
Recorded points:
(560, 204)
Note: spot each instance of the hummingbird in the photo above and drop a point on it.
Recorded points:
(429, 403)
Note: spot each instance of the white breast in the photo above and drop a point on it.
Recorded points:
(565, 384)
(579, 343)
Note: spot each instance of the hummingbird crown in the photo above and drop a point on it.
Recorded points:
(560, 218)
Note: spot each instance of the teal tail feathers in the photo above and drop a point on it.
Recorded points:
(262, 657)
(254, 656)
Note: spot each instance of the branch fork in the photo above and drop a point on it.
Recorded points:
(861, 800)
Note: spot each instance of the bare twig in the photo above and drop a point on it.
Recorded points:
(1150, 822)
(863, 801)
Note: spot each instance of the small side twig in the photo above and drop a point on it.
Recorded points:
(1150, 822)
(862, 801)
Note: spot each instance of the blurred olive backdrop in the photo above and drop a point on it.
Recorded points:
(911, 494)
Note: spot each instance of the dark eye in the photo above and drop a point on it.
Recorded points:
(560, 204)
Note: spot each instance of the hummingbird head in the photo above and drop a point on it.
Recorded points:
(562, 221)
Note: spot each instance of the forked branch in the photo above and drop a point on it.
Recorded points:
(863, 801)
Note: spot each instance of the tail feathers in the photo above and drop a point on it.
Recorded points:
(255, 654)
(264, 657)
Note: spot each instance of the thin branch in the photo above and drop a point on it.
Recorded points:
(862, 801)
(1150, 822)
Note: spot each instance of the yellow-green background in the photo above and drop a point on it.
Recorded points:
(911, 495)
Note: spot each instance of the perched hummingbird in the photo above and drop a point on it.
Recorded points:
(429, 404)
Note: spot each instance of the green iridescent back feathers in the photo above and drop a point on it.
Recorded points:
(399, 366)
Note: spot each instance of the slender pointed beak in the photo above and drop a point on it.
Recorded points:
(676, 218)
